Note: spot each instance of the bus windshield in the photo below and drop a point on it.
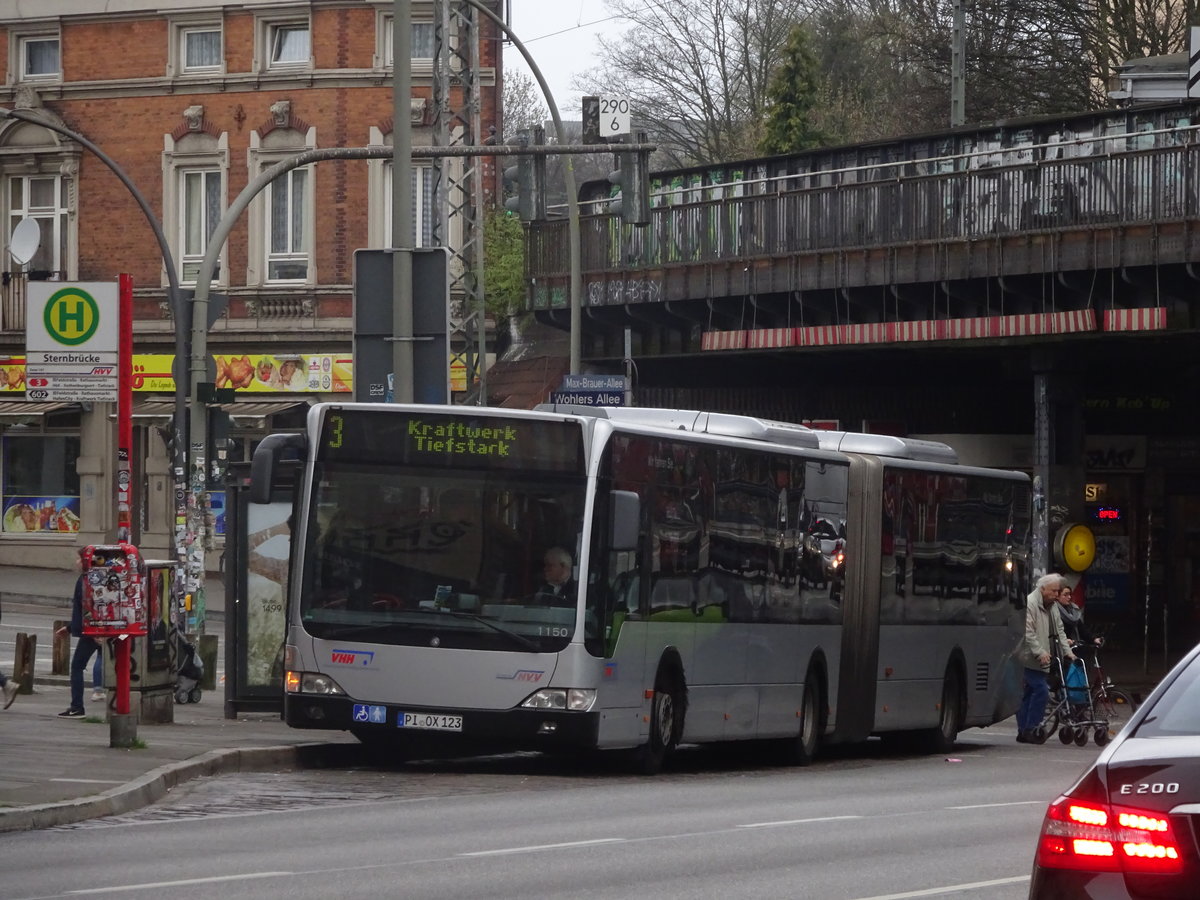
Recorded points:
(395, 555)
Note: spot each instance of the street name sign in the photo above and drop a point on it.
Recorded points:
(593, 383)
(71, 341)
(588, 398)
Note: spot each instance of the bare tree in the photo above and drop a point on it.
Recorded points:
(524, 106)
(696, 71)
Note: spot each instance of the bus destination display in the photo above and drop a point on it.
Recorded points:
(450, 441)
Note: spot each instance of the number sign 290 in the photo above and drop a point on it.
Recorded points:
(614, 106)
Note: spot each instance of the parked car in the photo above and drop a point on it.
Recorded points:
(1130, 827)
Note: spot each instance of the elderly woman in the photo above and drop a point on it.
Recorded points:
(1042, 627)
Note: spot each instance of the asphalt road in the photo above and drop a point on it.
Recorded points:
(859, 824)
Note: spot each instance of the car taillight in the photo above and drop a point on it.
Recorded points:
(1101, 838)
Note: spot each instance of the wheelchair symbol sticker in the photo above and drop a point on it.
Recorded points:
(376, 715)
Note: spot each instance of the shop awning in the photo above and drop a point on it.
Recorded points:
(18, 410)
(163, 408)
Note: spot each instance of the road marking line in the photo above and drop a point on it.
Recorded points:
(536, 847)
(797, 821)
(166, 884)
(994, 805)
(950, 889)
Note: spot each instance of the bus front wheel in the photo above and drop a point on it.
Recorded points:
(802, 749)
(666, 721)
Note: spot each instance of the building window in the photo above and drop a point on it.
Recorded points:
(42, 198)
(424, 40)
(289, 45)
(287, 237)
(200, 208)
(200, 49)
(424, 208)
(39, 56)
(40, 486)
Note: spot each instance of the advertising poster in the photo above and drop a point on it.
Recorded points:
(268, 540)
(45, 515)
(12, 373)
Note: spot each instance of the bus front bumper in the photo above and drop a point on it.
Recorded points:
(531, 729)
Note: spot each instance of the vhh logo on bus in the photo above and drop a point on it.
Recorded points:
(351, 657)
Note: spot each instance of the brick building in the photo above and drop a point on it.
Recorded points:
(193, 99)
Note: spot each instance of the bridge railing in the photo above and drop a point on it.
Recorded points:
(1152, 185)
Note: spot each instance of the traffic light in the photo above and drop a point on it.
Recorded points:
(526, 182)
(632, 176)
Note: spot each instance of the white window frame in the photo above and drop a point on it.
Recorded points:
(422, 66)
(192, 153)
(265, 151)
(210, 176)
(379, 190)
(424, 196)
(20, 55)
(184, 32)
(268, 34)
(298, 249)
(59, 213)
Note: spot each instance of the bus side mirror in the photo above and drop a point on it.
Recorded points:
(266, 457)
(626, 517)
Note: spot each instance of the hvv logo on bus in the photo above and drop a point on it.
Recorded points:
(351, 657)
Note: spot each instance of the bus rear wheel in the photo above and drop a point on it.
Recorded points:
(666, 722)
(941, 738)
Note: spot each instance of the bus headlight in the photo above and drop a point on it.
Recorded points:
(572, 699)
(310, 683)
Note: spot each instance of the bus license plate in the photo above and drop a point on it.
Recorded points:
(430, 721)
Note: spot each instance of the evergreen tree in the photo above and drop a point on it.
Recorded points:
(791, 97)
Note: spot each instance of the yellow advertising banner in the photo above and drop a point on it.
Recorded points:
(309, 373)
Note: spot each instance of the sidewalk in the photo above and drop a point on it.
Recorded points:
(57, 771)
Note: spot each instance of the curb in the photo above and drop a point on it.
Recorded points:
(156, 783)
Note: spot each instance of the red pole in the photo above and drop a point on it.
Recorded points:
(124, 460)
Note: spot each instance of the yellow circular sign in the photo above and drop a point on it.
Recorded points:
(1075, 547)
(71, 316)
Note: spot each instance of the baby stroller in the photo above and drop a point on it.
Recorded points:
(189, 670)
(1070, 711)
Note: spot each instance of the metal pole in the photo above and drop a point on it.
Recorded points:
(175, 299)
(573, 231)
(958, 68)
(403, 238)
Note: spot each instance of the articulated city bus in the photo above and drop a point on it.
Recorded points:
(419, 616)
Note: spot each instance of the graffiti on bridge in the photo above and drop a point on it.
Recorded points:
(617, 291)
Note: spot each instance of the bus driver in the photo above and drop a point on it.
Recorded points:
(559, 587)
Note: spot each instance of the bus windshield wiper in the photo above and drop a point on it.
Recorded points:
(499, 629)
(344, 631)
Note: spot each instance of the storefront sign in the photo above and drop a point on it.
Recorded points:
(310, 373)
(1115, 453)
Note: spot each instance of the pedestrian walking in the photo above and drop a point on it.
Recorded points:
(1043, 629)
(1071, 614)
(85, 646)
